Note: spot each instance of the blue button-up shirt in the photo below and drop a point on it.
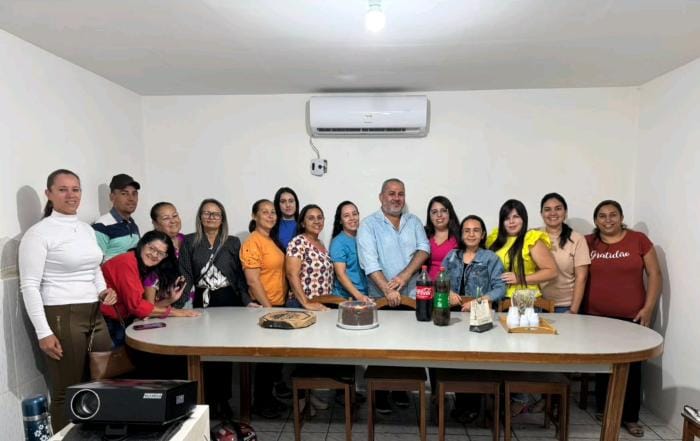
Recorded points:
(382, 247)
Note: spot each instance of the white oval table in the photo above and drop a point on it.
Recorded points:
(583, 344)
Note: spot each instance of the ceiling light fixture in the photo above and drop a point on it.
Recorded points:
(375, 19)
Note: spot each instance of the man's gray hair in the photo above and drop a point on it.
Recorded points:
(389, 181)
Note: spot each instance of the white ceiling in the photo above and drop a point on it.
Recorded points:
(176, 47)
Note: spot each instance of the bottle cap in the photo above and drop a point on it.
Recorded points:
(424, 267)
(33, 406)
(442, 268)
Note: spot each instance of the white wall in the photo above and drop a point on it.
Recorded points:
(53, 114)
(483, 147)
(667, 200)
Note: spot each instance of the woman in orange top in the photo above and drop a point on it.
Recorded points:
(263, 265)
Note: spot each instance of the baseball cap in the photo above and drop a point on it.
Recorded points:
(121, 181)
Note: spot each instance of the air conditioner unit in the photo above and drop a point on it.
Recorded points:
(359, 116)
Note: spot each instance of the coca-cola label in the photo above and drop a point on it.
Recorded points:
(424, 293)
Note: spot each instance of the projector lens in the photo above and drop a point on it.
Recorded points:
(85, 404)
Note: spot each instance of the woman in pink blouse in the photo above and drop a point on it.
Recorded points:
(309, 266)
(442, 229)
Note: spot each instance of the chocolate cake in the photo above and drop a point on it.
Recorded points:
(357, 315)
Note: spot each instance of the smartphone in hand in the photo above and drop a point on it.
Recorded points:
(154, 325)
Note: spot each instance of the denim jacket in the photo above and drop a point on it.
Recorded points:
(484, 272)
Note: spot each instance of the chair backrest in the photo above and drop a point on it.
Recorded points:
(407, 303)
(329, 300)
(540, 302)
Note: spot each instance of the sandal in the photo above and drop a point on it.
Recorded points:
(634, 429)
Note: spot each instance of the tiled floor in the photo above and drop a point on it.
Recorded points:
(402, 425)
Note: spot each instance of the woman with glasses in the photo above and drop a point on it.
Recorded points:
(210, 261)
(442, 229)
(125, 273)
(214, 277)
(474, 272)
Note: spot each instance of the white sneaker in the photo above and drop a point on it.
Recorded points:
(317, 402)
(692, 413)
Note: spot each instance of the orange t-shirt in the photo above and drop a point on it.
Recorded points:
(260, 252)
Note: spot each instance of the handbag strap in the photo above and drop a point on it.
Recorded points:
(93, 323)
(209, 263)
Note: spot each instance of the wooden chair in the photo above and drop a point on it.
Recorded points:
(395, 378)
(471, 382)
(324, 377)
(406, 303)
(330, 301)
(547, 384)
(318, 377)
(390, 378)
(691, 428)
(538, 383)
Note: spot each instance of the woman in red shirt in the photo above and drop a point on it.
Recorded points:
(154, 255)
(619, 259)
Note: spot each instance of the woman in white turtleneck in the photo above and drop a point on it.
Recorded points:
(62, 285)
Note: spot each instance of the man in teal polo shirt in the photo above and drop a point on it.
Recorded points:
(116, 231)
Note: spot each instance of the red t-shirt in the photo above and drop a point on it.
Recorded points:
(615, 285)
(122, 275)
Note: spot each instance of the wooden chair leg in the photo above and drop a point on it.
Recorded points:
(564, 416)
(297, 416)
(506, 416)
(421, 395)
(496, 414)
(348, 413)
(441, 411)
(370, 412)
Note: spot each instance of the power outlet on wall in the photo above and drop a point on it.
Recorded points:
(319, 167)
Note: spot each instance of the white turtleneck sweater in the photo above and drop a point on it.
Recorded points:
(59, 264)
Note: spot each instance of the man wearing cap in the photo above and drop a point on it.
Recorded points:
(116, 231)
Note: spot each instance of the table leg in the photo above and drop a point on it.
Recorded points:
(612, 417)
(194, 372)
(246, 396)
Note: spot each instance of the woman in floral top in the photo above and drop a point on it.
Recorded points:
(309, 266)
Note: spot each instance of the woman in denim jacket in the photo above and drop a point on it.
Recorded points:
(474, 271)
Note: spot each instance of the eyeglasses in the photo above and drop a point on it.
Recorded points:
(156, 252)
(211, 214)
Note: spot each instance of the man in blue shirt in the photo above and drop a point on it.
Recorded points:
(392, 246)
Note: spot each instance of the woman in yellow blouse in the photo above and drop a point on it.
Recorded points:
(526, 255)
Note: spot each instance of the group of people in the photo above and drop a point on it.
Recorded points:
(71, 271)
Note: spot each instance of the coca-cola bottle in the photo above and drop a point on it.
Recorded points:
(441, 304)
(424, 296)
